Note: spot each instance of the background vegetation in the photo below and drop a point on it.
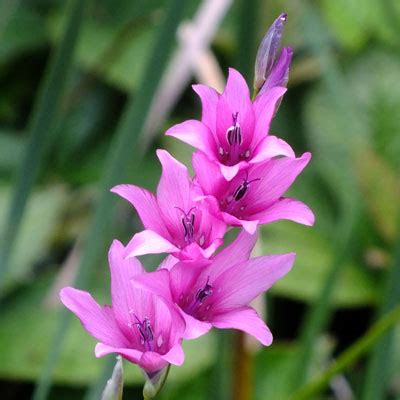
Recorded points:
(80, 81)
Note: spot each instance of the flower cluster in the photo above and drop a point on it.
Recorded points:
(241, 175)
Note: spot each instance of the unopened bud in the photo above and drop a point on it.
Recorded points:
(115, 385)
(268, 52)
(279, 75)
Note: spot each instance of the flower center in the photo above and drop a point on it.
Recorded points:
(187, 220)
(145, 331)
(202, 294)
(242, 189)
(234, 133)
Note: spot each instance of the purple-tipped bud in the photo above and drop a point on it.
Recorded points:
(279, 75)
(268, 51)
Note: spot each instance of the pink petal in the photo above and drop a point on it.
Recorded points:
(237, 252)
(264, 109)
(237, 92)
(208, 174)
(287, 208)
(123, 297)
(152, 362)
(148, 242)
(277, 175)
(269, 147)
(156, 282)
(98, 321)
(210, 250)
(209, 99)
(191, 253)
(168, 262)
(195, 134)
(168, 324)
(248, 225)
(173, 191)
(229, 172)
(247, 320)
(149, 361)
(145, 205)
(235, 99)
(175, 356)
(194, 327)
(132, 355)
(183, 277)
(239, 285)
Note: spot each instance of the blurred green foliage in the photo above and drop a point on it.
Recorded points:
(342, 104)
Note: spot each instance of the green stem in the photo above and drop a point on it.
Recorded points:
(350, 356)
(378, 367)
(42, 117)
(319, 315)
(153, 386)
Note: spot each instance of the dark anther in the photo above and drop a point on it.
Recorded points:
(187, 220)
(202, 294)
(145, 331)
(234, 133)
(241, 190)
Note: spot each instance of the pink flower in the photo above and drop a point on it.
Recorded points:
(234, 132)
(218, 294)
(139, 326)
(175, 223)
(254, 196)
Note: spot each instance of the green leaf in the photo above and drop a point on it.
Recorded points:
(272, 367)
(348, 357)
(381, 189)
(25, 31)
(314, 258)
(42, 117)
(43, 214)
(11, 147)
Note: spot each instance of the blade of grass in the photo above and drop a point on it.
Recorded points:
(42, 117)
(247, 42)
(221, 384)
(95, 391)
(319, 315)
(121, 150)
(247, 13)
(350, 356)
(378, 367)
(6, 11)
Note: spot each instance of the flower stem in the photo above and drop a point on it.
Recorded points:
(241, 369)
(350, 356)
(154, 385)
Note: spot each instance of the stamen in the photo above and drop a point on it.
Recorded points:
(202, 294)
(145, 331)
(241, 190)
(234, 133)
(187, 220)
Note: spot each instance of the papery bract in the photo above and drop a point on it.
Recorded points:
(140, 326)
(174, 221)
(234, 132)
(254, 196)
(218, 294)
